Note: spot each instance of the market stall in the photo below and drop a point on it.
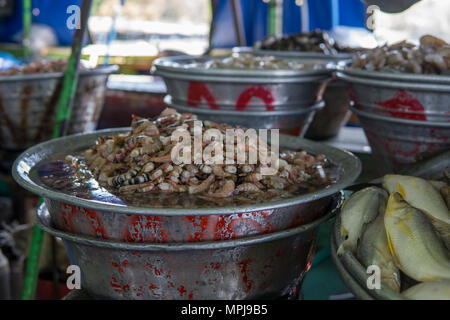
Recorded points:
(291, 153)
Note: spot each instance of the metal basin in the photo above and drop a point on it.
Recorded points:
(114, 220)
(292, 121)
(352, 272)
(239, 89)
(409, 96)
(259, 267)
(28, 105)
(328, 121)
(396, 142)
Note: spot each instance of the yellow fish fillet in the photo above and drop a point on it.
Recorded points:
(357, 211)
(438, 290)
(413, 243)
(374, 250)
(423, 195)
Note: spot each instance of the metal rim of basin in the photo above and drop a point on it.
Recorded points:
(176, 68)
(400, 120)
(391, 83)
(304, 55)
(372, 108)
(45, 76)
(244, 113)
(43, 221)
(394, 76)
(354, 268)
(348, 165)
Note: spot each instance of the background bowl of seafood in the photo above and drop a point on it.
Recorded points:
(409, 81)
(125, 187)
(243, 81)
(28, 98)
(391, 241)
(314, 44)
(400, 94)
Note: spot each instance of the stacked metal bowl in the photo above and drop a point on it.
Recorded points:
(251, 251)
(328, 121)
(405, 117)
(260, 99)
(28, 105)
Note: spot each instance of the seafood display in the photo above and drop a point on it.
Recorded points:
(142, 168)
(431, 56)
(406, 237)
(314, 41)
(38, 66)
(250, 61)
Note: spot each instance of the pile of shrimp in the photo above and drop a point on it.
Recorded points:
(250, 61)
(432, 56)
(140, 161)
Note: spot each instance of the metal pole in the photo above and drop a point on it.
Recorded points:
(26, 27)
(60, 128)
(239, 27)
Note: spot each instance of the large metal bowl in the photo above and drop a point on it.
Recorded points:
(117, 221)
(291, 121)
(28, 105)
(240, 89)
(403, 95)
(328, 121)
(396, 142)
(266, 266)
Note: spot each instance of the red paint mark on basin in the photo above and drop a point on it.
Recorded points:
(198, 91)
(404, 102)
(258, 92)
(145, 228)
(244, 271)
(69, 212)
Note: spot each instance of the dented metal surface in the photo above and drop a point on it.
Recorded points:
(258, 267)
(182, 228)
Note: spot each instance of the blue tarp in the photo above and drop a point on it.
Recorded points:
(319, 14)
(52, 13)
